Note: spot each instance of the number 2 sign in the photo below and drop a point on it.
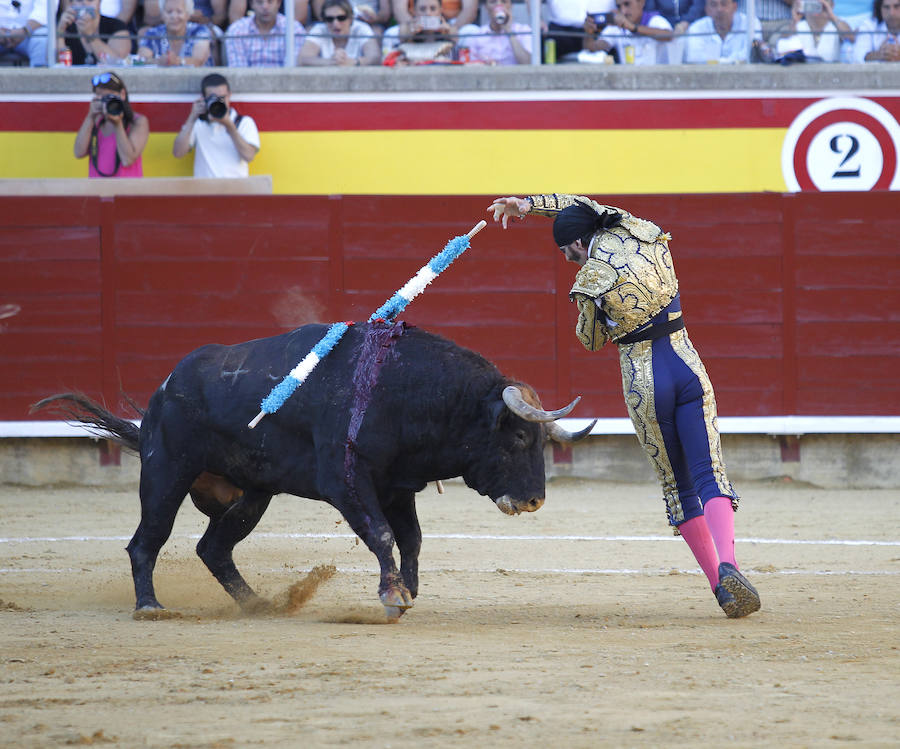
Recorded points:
(842, 144)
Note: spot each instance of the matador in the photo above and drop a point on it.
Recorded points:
(627, 293)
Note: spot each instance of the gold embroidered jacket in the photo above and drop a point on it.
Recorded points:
(628, 273)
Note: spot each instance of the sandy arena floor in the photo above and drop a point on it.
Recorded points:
(584, 625)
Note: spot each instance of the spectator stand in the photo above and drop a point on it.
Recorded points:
(771, 13)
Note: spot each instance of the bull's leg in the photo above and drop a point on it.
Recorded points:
(217, 544)
(365, 517)
(163, 488)
(401, 514)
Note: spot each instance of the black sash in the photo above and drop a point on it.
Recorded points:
(653, 332)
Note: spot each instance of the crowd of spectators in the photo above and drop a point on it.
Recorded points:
(358, 33)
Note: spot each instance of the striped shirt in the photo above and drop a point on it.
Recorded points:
(248, 47)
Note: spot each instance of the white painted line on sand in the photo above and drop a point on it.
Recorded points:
(475, 537)
(517, 570)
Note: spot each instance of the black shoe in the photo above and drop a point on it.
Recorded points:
(735, 594)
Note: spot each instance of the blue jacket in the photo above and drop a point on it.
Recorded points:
(675, 11)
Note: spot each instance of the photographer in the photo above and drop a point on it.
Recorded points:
(502, 41)
(93, 38)
(427, 24)
(224, 141)
(112, 134)
(814, 29)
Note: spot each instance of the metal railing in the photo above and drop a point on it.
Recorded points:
(291, 51)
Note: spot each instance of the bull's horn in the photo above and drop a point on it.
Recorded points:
(558, 434)
(512, 397)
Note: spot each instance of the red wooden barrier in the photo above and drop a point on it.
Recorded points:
(791, 300)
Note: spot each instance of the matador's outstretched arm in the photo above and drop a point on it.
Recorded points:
(540, 205)
(548, 205)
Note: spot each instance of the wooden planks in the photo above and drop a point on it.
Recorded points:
(790, 299)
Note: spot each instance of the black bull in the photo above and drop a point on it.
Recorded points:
(392, 408)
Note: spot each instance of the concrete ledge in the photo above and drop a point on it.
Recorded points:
(39, 429)
(578, 80)
(768, 425)
(256, 185)
(860, 461)
(832, 461)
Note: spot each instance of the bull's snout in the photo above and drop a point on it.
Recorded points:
(510, 506)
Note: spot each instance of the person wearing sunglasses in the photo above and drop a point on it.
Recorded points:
(93, 38)
(112, 134)
(341, 40)
(377, 13)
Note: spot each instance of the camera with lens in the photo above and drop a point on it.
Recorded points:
(83, 11)
(812, 6)
(113, 105)
(602, 20)
(216, 106)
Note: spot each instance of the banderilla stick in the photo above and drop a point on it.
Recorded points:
(388, 311)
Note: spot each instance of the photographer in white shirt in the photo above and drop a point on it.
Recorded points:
(224, 142)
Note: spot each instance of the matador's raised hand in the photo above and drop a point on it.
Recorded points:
(503, 208)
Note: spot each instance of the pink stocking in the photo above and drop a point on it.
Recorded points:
(700, 540)
(720, 519)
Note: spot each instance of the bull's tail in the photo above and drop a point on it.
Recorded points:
(80, 408)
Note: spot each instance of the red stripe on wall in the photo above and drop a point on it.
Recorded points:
(448, 115)
(791, 300)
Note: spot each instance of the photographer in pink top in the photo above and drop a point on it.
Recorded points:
(112, 134)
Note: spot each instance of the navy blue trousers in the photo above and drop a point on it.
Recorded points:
(673, 408)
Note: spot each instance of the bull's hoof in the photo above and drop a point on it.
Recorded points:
(154, 614)
(393, 613)
(396, 600)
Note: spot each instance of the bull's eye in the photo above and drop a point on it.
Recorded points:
(522, 439)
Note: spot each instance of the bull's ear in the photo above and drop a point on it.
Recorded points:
(498, 412)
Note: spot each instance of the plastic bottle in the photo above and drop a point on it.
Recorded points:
(846, 51)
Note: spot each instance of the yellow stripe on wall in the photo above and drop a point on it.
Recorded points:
(464, 162)
(31, 155)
